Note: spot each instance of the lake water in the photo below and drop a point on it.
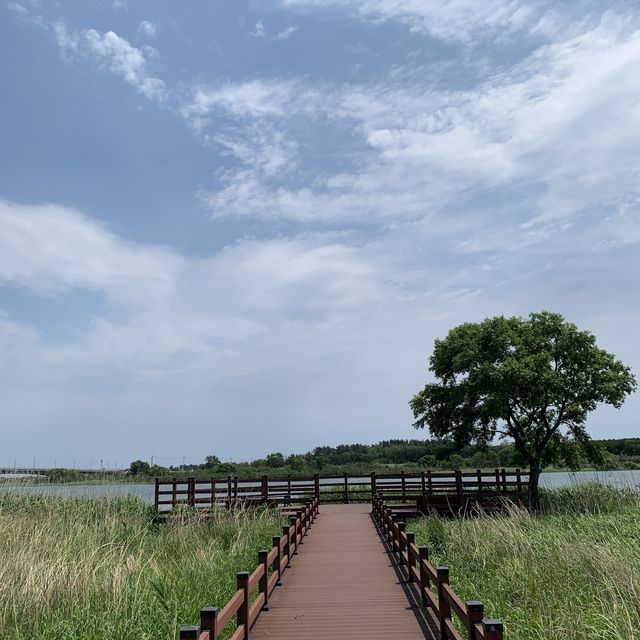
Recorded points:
(629, 479)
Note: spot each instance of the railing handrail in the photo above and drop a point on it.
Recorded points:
(287, 489)
(445, 601)
(278, 558)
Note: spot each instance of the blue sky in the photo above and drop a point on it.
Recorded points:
(237, 227)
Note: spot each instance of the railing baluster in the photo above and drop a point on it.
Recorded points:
(444, 609)
(242, 617)
(475, 611)
(209, 621)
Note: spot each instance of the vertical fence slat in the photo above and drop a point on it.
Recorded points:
(242, 617)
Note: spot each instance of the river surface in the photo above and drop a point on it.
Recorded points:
(145, 492)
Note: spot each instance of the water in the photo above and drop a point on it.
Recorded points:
(551, 480)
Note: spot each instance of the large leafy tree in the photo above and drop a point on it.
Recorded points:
(532, 380)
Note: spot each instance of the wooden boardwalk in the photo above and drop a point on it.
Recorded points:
(342, 584)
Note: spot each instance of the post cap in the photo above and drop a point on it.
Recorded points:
(474, 605)
(189, 631)
(442, 570)
(493, 625)
(276, 538)
(210, 611)
(263, 552)
(242, 575)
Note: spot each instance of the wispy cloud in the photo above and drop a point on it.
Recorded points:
(147, 28)
(557, 124)
(115, 54)
(457, 20)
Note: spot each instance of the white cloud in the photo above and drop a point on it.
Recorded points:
(50, 249)
(457, 20)
(147, 28)
(562, 124)
(17, 8)
(259, 29)
(114, 54)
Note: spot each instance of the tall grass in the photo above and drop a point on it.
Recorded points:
(572, 573)
(102, 569)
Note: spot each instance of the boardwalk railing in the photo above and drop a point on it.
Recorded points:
(429, 490)
(440, 604)
(265, 577)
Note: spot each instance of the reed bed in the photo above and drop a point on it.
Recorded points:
(572, 573)
(103, 569)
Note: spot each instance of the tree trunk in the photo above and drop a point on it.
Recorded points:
(534, 489)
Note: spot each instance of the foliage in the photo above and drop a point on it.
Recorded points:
(102, 569)
(572, 573)
(533, 380)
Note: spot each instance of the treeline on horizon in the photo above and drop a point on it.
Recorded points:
(387, 455)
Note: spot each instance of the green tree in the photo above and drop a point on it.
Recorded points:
(275, 459)
(532, 380)
(140, 467)
(211, 461)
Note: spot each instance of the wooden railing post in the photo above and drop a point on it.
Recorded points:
(444, 608)
(157, 494)
(493, 629)
(504, 481)
(519, 480)
(425, 582)
(373, 486)
(293, 521)
(209, 621)
(497, 480)
(276, 563)
(265, 489)
(242, 617)
(174, 493)
(235, 491)
(459, 489)
(411, 561)
(346, 489)
(287, 545)
(394, 531)
(228, 492)
(191, 492)
(263, 584)
(189, 632)
(423, 486)
(475, 612)
(213, 492)
(288, 489)
(316, 483)
(401, 541)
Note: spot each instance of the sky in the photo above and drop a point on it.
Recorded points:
(234, 228)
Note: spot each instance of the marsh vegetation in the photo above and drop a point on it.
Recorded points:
(102, 569)
(572, 573)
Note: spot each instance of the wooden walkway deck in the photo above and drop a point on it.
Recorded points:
(342, 584)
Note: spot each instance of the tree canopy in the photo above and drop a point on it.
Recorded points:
(533, 380)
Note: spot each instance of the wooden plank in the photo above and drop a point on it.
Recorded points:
(340, 586)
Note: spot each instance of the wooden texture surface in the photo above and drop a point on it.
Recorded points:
(343, 584)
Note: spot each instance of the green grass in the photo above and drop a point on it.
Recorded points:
(572, 573)
(102, 569)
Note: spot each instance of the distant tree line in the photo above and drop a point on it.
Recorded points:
(389, 455)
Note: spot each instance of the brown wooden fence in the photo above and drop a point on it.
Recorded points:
(254, 589)
(427, 490)
(437, 596)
